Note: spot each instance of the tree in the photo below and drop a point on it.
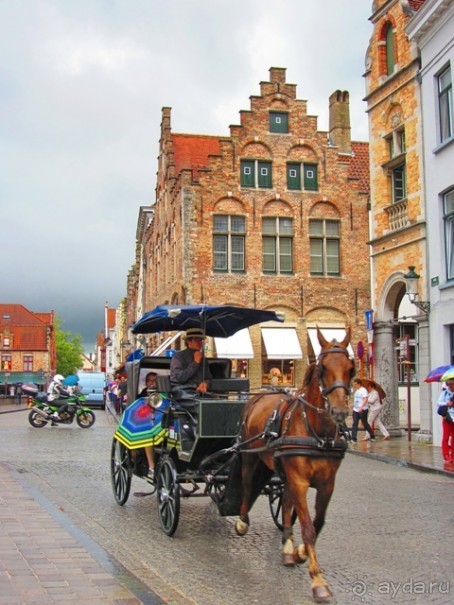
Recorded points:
(69, 350)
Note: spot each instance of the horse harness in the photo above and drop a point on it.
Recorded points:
(312, 446)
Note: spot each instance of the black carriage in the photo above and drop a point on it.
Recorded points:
(194, 448)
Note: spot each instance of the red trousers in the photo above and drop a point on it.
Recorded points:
(447, 440)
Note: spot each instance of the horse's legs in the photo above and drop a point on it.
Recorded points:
(288, 542)
(248, 466)
(320, 590)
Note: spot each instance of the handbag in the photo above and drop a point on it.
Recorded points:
(443, 412)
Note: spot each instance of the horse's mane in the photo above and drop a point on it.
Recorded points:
(309, 374)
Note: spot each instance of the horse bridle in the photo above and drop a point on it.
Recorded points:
(337, 384)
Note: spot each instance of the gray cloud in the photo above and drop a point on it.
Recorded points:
(82, 85)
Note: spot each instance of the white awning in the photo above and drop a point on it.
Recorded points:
(329, 334)
(281, 343)
(238, 346)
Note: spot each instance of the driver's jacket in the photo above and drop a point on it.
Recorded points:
(56, 391)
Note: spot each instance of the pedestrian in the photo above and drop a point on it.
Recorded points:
(19, 395)
(360, 411)
(446, 410)
(375, 408)
(122, 391)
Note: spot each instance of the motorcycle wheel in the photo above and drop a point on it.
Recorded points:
(36, 420)
(85, 419)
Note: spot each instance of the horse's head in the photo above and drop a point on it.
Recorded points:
(335, 370)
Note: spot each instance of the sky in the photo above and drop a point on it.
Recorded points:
(82, 85)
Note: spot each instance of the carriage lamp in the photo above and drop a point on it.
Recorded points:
(411, 286)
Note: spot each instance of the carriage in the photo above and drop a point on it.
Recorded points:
(194, 445)
(277, 443)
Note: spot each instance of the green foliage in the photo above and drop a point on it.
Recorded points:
(69, 350)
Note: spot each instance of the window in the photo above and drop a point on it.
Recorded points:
(445, 106)
(28, 363)
(399, 183)
(294, 177)
(256, 173)
(448, 217)
(389, 40)
(6, 342)
(310, 177)
(396, 143)
(229, 243)
(324, 241)
(407, 335)
(277, 241)
(7, 362)
(278, 121)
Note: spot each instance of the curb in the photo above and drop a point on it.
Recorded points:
(403, 463)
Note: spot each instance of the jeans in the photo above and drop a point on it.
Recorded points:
(357, 416)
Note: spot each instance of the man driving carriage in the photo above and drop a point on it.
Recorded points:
(189, 370)
(190, 377)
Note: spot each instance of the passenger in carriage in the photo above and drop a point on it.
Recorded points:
(149, 388)
(189, 370)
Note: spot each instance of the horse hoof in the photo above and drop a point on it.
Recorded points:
(322, 594)
(241, 527)
(288, 560)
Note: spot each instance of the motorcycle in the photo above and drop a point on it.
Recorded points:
(42, 411)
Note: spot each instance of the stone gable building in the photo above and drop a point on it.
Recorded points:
(275, 216)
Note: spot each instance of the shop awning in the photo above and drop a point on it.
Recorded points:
(281, 343)
(238, 346)
(22, 377)
(329, 334)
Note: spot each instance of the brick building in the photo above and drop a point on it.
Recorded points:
(398, 220)
(273, 216)
(27, 346)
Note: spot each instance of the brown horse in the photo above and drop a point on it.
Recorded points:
(301, 437)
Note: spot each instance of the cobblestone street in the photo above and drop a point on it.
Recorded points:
(385, 540)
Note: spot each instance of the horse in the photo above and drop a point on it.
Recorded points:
(303, 438)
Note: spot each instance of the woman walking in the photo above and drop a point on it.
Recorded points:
(375, 408)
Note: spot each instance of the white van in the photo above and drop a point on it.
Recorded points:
(91, 384)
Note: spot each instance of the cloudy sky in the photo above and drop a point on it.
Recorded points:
(82, 84)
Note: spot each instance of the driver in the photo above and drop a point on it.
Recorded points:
(189, 370)
(57, 395)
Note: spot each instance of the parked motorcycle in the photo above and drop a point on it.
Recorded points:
(42, 411)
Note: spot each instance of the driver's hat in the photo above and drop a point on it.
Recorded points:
(195, 333)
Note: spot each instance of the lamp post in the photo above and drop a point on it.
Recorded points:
(411, 286)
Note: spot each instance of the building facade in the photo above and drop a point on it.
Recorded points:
(27, 346)
(398, 218)
(273, 216)
(432, 29)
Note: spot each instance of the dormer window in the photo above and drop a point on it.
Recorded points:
(278, 121)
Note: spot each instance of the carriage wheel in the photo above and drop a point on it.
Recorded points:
(120, 472)
(168, 496)
(275, 502)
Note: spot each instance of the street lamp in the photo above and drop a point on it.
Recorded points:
(411, 286)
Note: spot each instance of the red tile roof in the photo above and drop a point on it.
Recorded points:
(191, 151)
(359, 165)
(416, 4)
(29, 330)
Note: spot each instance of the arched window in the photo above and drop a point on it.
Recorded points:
(390, 53)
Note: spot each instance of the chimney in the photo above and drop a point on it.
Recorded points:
(339, 121)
